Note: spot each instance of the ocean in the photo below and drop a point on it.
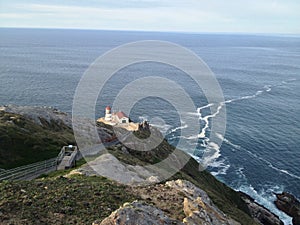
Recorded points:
(259, 76)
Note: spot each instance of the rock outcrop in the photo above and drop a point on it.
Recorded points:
(197, 207)
(138, 213)
(290, 205)
(260, 213)
(109, 166)
(40, 115)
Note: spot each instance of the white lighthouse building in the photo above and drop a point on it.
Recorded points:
(108, 115)
(118, 119)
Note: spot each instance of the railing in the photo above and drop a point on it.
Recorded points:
(25, 172)
(35, 169)
(61, 155)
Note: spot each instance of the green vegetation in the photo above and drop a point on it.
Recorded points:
(23, 142)
(78, 199)
(59, 200)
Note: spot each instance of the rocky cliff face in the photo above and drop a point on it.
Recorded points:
(290, 205)
(40, 115)
(138, 213)
(197, 206)
(195, 203)
(260, 213)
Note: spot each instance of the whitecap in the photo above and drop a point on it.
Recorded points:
(267, 88)
(162, 127)
(221, 166)
(212, 153)
(179, 128)
(222, 170)
(235, 146)
(266, 198)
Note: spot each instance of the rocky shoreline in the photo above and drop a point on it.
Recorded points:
(289, 204)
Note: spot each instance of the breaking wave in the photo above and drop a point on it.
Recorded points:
(265, 196)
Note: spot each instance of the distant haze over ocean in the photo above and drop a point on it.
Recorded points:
(259, 75)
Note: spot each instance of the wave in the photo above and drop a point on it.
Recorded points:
(268, 163)
(221, 166)
(213, 148)
(178, 128)
(226, 141)
(205, 119)
(214, 153)
(266, 198)
(143, 118)
(218, 107)
(162, 127)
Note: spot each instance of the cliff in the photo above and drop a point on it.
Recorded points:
(81, 196)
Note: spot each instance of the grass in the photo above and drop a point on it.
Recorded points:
(79, 199)
(59, 200)
(23, 142)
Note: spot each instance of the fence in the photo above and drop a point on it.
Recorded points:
(29, 171)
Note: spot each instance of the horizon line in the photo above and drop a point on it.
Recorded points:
(156, 31)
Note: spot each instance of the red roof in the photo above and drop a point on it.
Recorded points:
(120, 115)
(108, 107)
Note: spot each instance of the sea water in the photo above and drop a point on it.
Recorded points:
(259, 76)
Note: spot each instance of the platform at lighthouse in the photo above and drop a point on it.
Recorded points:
(119, 119)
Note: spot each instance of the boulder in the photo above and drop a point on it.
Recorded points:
(198, 207)
(290, 205)
(260, 213)
(138, 213)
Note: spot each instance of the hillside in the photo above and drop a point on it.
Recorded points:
(32, 134)
(82, 197)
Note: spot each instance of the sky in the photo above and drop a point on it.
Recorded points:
(231, 16)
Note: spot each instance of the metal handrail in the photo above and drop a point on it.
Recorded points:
(37, 168)
(25, 171)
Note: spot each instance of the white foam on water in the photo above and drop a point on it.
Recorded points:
(263, 197)
(267, 88)
(162, 127)
(268, 163)
(266, 198)
(222, 167)
(206, 118)
(288, 173)
(193, 137)
(214, 150)
(235, 146)
(281, 170)
(179, 128)
(215, 112)
(204, 107)
(143, 118)
(193, 113)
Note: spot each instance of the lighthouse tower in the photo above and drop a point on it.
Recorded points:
(108, 116)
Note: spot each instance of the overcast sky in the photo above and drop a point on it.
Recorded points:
(242, 16)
